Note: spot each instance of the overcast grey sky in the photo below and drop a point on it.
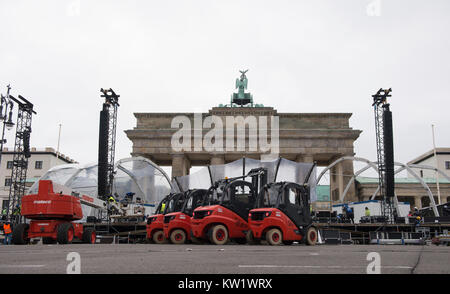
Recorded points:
(184, 56)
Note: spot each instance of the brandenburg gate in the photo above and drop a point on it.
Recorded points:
(302, 137)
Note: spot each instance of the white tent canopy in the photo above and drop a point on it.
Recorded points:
(279, 170)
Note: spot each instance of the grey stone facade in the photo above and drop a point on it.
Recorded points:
(303, 137)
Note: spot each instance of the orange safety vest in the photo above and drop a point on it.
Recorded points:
(7, 229)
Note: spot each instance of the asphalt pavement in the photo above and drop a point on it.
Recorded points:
(227, 259)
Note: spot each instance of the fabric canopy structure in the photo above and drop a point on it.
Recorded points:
(136, 174)
(279, 170)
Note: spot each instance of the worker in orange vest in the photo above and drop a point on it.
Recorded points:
(7, 230)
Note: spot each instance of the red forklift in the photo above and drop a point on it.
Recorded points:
(283, 214)
(177, 225)
(155, 224)
(52, 216)
(232, 200)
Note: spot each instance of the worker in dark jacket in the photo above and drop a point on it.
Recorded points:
(350, 215)
(418, 216)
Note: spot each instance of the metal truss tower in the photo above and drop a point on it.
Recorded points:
(20, 158)
(385, 153)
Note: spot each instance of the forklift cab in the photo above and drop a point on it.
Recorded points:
(239, 196)
(213, 195)
(161, 208)
(162, 205)
(175, 203)
(194, 199)
(171, 203)
(290, 198)
(224, 214)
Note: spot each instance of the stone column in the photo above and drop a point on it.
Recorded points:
(180, 165)
(217, 159)
(217, 172)
(340, 175)
(418, 202)
(347, 174)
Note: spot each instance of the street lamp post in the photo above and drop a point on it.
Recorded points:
(5, 117)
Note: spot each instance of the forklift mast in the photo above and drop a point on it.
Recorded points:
(194, 199)
(258, 181)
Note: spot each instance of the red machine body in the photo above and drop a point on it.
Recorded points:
(51, 216)
(283, 215)
(48, 204)
(208, 216)
(261, 220)
(49, 229)
(177, 221)
(155, 224)
(155, 228)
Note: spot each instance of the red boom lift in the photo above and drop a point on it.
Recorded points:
(283, 214)
(52, 215)
(177, 225)
(228, 219)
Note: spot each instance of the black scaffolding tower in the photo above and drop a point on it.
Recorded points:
(20, 158)
(385, 153)
(107, 143)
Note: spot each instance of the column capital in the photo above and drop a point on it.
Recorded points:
(217, 158)
(309, 158)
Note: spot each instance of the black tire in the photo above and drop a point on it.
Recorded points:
(311, 236)
(274, 237)
(195, 240)
(251, 239)
(89, 236)
(159, 238)
(20, 234)
(149, 239)
(240, 241)
(48, 240)
(64, 233)
(218, 235)
(178, 237)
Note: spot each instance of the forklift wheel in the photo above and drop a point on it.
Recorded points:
(240, 241)
(178, 237)
(89, 236)
(218, 235)
(195, 240)
(158, 237)
(64, 234)
(311, 236)
(48, 240)
(250, 239)
(20, 234)
(274, 237)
